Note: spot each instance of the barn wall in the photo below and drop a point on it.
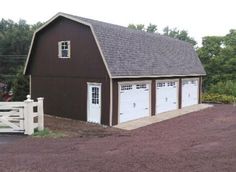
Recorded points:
(85, 61)
(63, 82)
(153, 96)
(67, 97)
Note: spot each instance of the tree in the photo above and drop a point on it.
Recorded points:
(179, 34)
(211, 47)
(15, 38)
(152, 28)
(136, 27)
(218, 55)
(230, 39)
(20, 86)
(174, 33)
(15, 41)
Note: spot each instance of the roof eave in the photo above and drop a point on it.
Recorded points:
(157, 76)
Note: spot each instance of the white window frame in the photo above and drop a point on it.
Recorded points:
(60, 49)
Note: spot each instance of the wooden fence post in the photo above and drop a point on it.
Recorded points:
(28, 116)
(40, 114)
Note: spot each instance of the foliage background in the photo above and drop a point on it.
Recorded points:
(217, 53)
(15, 38)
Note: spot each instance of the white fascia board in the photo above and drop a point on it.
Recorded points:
(156, 76)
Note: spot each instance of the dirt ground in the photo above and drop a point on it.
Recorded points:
(75, 128)
(203, 141)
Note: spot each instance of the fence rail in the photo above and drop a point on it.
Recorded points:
(20, 117)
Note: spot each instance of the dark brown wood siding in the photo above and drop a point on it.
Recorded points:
(153, 99)
(153, 91)
(63, 82)
(180, 93)
(200, 90)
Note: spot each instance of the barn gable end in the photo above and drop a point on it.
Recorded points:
(65, 80)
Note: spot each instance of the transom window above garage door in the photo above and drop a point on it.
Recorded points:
(139, 86)
(126, 87)
(166, 84)
(161, 84)
(170, 83)
(184, 82)
(193, 82)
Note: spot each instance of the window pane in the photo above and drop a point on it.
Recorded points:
(64, 53)
(95, 95)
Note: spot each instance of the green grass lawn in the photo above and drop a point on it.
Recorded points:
(48, 133)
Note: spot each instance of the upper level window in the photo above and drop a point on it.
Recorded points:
(64, 49)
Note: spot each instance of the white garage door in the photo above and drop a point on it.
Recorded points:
(166, 96)
(189, 92)
(134, 101)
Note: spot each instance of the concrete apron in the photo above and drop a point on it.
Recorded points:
(134, 124)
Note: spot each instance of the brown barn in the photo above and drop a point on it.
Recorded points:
(109, 74)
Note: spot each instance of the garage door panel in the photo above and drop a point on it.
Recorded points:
(190, 92)
(134, 101)
(166, 96)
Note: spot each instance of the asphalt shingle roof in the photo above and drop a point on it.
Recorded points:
(130, 52)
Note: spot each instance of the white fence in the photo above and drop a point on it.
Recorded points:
(21, 117)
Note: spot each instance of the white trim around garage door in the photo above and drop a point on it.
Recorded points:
(149, 82)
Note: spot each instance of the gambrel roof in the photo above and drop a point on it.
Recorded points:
(131, 53)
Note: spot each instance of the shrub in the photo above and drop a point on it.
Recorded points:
(225, 88)
(218, 98)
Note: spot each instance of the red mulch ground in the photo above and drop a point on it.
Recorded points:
(198, 142)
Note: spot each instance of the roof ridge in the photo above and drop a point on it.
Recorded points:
(126, 28)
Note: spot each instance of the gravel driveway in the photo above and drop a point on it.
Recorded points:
(9, 138)
(197, 142)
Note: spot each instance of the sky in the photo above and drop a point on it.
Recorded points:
(199, 17)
